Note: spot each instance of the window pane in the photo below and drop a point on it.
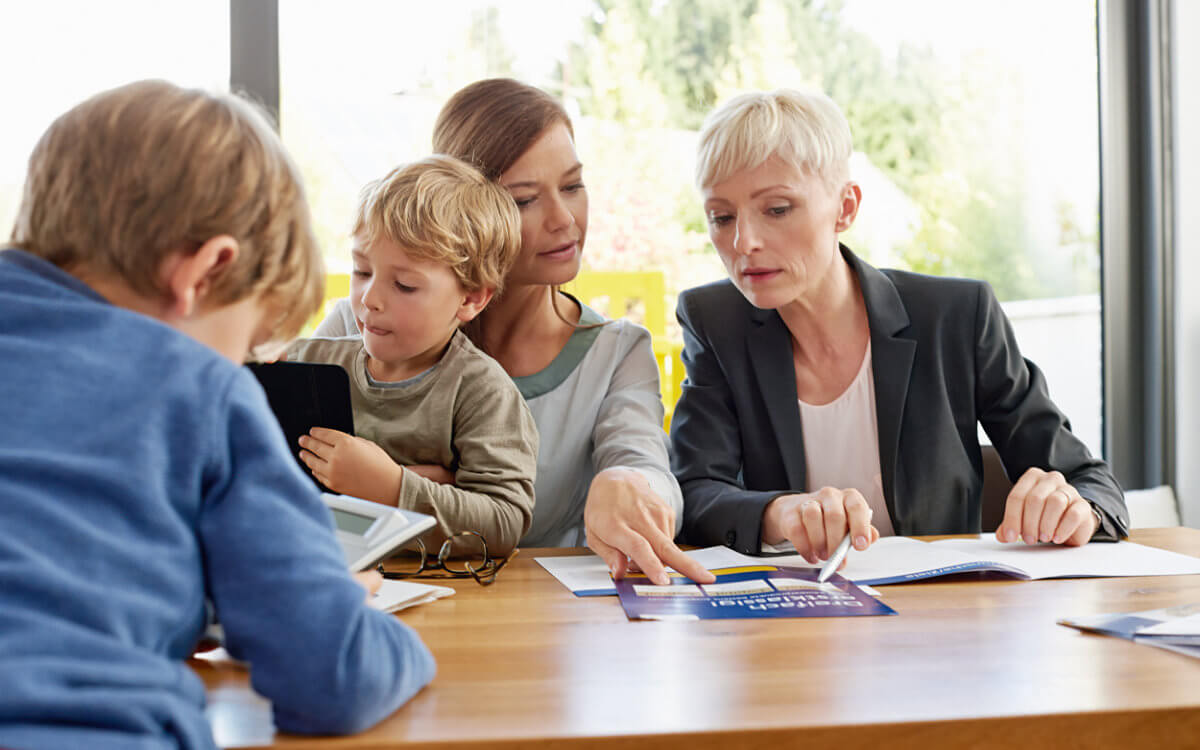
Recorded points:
(362, 82)
(976, 130)
(57, 53)
(1000, 179)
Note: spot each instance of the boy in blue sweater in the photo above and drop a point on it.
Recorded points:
(162, 234)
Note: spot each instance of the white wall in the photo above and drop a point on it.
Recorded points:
(1186, 74)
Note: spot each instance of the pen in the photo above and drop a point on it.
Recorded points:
(831, 565)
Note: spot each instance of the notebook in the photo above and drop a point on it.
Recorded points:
(902, 559)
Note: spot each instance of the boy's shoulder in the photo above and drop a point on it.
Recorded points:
(40, 303)
(466, 359)
(340, 350)
(486, 398)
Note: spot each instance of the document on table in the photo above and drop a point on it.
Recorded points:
(1172, 628)
(587, 575)
(903, 559)
(394, 596)
(747, 591)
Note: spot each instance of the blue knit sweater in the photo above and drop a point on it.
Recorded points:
(141, 473)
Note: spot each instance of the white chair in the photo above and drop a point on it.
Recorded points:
(1152, 507)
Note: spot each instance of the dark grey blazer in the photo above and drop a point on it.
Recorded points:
(944, 359)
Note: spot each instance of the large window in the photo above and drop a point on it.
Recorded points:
(55, 53)
(975, 126)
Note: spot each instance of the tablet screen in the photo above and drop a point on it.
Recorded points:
(304, 395)
(352, 522)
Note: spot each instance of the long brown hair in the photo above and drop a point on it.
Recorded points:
(490, 123)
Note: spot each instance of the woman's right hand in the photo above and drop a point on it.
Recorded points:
(627, 523)
(815, 522)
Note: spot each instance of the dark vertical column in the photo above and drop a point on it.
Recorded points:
(254, 52)
(1136, 247)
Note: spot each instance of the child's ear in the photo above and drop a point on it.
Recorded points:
(474, 302)
(189, 278)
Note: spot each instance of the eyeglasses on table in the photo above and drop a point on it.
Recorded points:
(463, 555)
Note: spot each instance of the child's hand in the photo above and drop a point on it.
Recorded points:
(433, 473)
(370, 580)
(351, 465)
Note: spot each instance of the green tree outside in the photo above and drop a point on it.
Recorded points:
(664, 64)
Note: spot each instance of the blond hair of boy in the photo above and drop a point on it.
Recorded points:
(127, 187)
(443, 210)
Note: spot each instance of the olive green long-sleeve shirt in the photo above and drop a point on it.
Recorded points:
(464, 414)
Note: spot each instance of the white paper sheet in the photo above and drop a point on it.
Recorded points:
(587, 575)
(1189, 625)
(902, 559)
(1095, 560)
(394, 596)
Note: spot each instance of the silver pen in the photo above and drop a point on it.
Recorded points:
(831, 565)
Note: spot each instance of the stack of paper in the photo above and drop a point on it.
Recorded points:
(394, 596)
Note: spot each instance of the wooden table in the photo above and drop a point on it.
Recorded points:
(974, 661)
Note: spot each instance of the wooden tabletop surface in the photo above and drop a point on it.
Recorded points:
(970, 661)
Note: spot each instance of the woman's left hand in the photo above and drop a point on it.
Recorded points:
(626, 521)
(1043, 507)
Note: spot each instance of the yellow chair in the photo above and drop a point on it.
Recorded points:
(637, 295)
(641, 297)
(670, 373)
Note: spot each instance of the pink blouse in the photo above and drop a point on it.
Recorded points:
(841, 444)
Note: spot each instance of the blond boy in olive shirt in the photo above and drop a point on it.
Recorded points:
(441, 427)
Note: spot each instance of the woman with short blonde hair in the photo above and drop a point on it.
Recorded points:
(827, 398)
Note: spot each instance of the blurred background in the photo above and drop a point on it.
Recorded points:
(977, 129)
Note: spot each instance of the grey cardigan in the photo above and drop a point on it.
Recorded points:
(944, 359)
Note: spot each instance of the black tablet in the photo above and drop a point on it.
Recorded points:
(304, 395)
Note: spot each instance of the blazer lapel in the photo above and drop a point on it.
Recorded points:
(891, 366)
(770, 352)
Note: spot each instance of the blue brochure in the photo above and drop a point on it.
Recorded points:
(747, 592)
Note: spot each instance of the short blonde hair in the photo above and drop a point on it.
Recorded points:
(803, 128)
(444, 210)
(137, 173)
